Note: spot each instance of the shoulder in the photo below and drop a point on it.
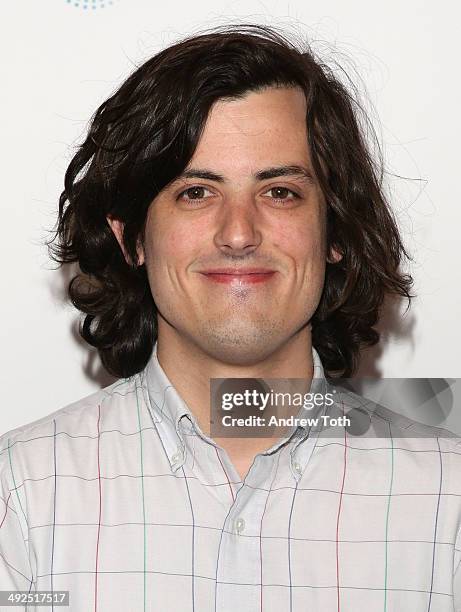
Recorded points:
(375, 420)
(76, 418)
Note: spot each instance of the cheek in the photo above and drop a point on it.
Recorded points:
(304, 242)
(171, 249)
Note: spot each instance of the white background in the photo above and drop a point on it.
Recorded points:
(59, 61)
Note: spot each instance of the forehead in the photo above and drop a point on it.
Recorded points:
(266, 126)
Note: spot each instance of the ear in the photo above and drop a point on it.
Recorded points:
(117, 227)
(334, 255)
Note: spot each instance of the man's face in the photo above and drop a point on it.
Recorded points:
(228, 214)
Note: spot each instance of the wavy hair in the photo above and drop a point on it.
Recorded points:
(143, 136)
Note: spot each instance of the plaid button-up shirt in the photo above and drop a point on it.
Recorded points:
(121, 500)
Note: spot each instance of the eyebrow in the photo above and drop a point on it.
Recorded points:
(261, 175)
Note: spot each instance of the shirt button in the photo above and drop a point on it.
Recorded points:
(239, 525)
(297, 467)
(176, 458)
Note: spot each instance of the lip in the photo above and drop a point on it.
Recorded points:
(258, 275)
(237, 271)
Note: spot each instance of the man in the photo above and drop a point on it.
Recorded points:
(228, 221)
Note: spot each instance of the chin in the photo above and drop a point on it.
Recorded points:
(240, 349)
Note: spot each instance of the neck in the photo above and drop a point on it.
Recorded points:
(189, 368)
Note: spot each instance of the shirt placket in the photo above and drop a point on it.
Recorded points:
(238, 563)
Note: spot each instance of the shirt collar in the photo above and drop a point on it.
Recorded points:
(167, 409)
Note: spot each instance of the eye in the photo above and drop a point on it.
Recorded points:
(194, 193)
(282, 194)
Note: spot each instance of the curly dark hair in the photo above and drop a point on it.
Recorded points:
(143, 136)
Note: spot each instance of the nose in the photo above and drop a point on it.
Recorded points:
(238, 231)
